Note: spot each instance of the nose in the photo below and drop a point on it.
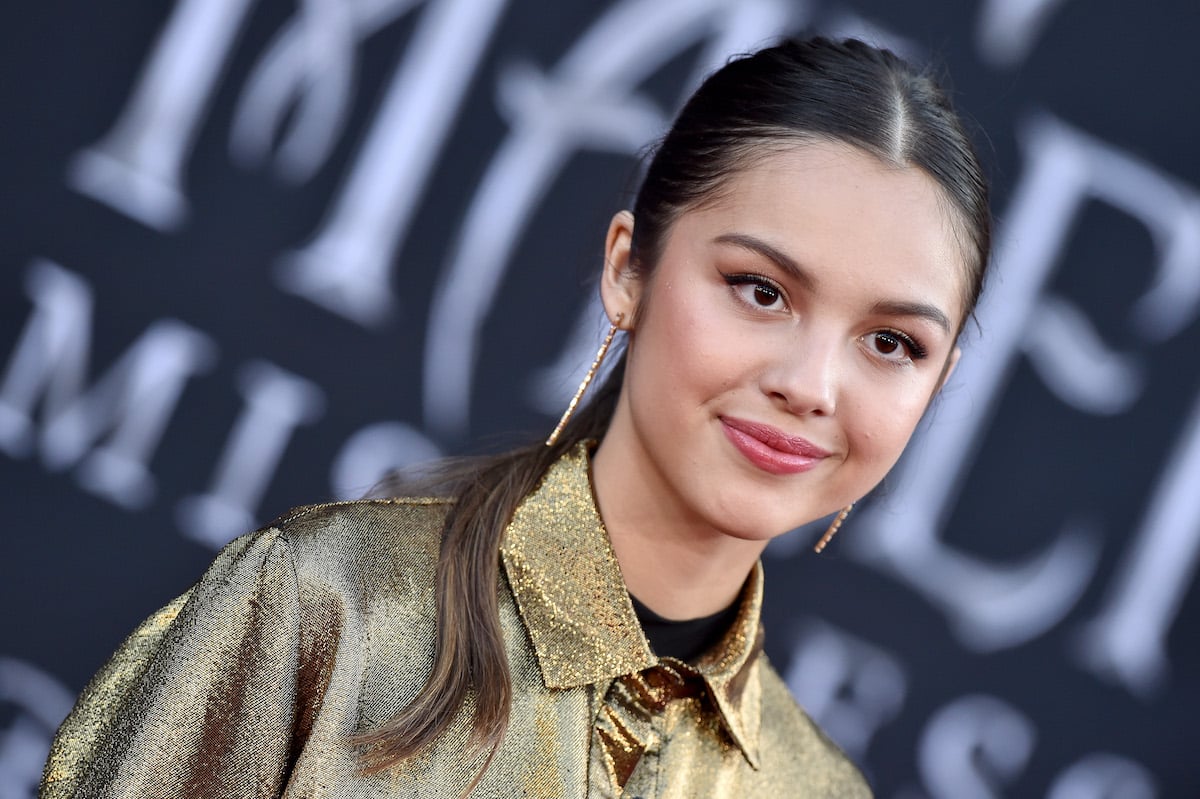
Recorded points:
(804, 377)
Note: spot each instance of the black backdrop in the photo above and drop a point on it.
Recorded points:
(254, 252)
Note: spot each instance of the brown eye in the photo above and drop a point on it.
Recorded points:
(892, 345)
(886, 343)
(757, 292)
(765, 296)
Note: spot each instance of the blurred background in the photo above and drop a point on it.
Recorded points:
(253, 253)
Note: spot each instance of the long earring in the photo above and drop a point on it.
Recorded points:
(833, 528)
(587, 379)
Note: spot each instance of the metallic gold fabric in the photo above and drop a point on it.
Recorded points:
(250, 684)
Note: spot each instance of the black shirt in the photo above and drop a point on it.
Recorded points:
(684, 640)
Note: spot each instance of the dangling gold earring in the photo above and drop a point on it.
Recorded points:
(833, 528)
(587, 379)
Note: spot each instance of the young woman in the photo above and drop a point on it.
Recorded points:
(581, 617)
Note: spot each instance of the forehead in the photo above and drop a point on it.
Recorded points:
(845, 213)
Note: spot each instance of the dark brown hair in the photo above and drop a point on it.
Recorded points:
(797, 91)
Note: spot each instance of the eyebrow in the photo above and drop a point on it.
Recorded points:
(917, 309)
(787, 264)
(781, 260)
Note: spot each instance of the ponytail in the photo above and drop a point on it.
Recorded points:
(469, 658)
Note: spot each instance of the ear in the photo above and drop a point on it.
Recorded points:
(948, 369)
(620, 286)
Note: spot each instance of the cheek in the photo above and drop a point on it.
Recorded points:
(681, 345)
(880, 427)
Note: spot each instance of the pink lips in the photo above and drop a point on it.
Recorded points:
(770, 449)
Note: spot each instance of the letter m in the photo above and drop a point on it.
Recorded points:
(108, 429)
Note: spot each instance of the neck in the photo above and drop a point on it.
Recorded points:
(671, 560)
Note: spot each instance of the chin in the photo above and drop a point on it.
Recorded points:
(736, 523)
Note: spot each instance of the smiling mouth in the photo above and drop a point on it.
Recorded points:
(770, 449)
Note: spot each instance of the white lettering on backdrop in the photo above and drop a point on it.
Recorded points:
(41, 703)
(132, 402)
(304, 83)
(972, 747)
(589, 101)
(1007, 30)
(347, 266)
(275, 403)
(298, 96)
(138, 167)
(1127, 641)
(1103, 775)
(849, 686)
(992, 606)
(378, 449)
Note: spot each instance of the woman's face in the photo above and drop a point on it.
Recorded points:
(786, 345)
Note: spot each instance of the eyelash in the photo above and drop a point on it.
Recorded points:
(916, 350)
(746, 279)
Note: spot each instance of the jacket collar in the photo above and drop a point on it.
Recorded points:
(574, 603)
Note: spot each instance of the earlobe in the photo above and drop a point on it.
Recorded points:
(620, 286)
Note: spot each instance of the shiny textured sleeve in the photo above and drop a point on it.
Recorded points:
(201, 700)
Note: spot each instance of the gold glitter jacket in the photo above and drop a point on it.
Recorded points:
(301, 634)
